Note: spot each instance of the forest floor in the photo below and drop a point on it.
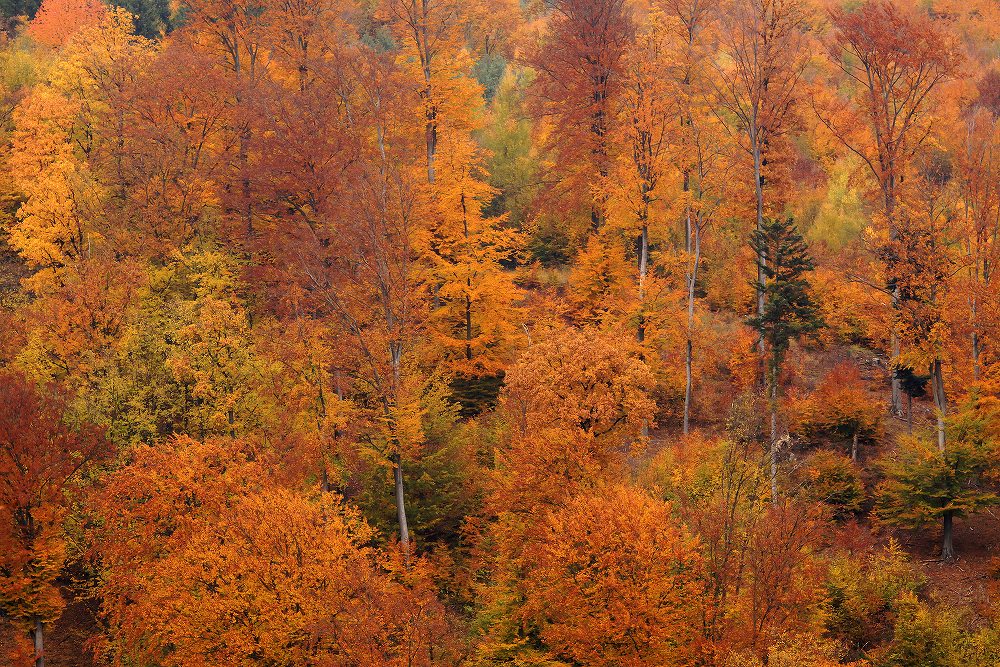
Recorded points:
(970, 582)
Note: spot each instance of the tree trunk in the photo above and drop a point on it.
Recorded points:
(468, 287)
(694, 231)
(688, 382)
(690, 278)
(758, 178)
(940, 401)
(404, 530)
(976, 353)
(774, 437)
(909, 414)
(896, 405)
(396, 356)
(947, 548)
(854, 446)
(38, 636)
(640, 334)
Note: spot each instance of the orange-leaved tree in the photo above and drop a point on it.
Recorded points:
(840, 408)
(473, 322)
(892, 57)
(201, 553)
(58, 20)
(758, 85)
(337, 212)
(571, 407)
(579, 65)
(614, 579)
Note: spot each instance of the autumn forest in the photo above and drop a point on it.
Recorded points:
(527, 333)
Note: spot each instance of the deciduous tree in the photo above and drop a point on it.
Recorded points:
(579, 65)
(203, 554)
(893, 58)
(41, 458)
(758, 83)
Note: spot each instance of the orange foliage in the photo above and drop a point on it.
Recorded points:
(580, 381)
(58, 20)
(202, 554)
(613, 580)
(841, 407)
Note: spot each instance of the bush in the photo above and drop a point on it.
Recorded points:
(833, 480)
(862, 595)
(839, 411)
(923, 637)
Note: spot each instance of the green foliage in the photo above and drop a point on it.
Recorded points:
(440, 489)
(862, 594)
(187, 363)
(11, 8)
(489, 71)
(923, 637)
(841, 216)
(153, 18)
(476, 394)
(512, 165)
(923, 484)
(789, 307)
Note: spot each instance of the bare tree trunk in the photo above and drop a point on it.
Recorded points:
(693, 243)
(468, 287)
(774, 437)
(909, 414)
(895, 407)
(974, 316)
(976, 352)
(396, 355)
(947, 548)
(758, 178)
(38, 636)
(940, 401)
(854, 446)
(896, 398)
(404, 530)
(643, 272)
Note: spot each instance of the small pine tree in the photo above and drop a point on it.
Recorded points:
(789, 307)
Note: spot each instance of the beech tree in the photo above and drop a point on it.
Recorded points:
(758, 84)
(472, 319)
(572, 405)
(612, 581)
(338, 218)
(697, 154)
(58, 20)
(840, 407)
(976, 167)
(203, 554)
(579, 77)
(893, 58)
